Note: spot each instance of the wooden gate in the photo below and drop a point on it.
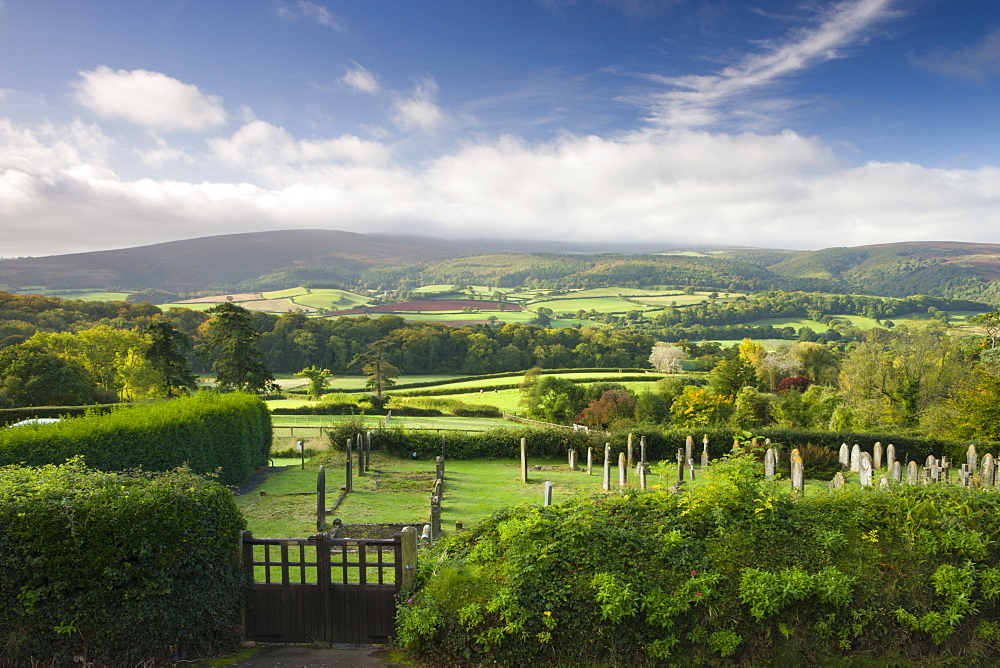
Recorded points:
(336, 590)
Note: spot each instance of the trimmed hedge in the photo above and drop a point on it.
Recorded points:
(12, 415)
(230, 433)
(118, 569)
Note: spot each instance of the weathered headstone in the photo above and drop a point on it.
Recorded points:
(435, 518)
(912, 473)
(865, 469)
(845, 457)
(590, 460)
(622, 471)
(425, 535)
(987, 470)
(838, 480)
(524, 460)
(855, 458)
(548, 492)
(607, 468)
(798, 472)
(642, 449)
(691, 469)
(972, 457)
(629, 450)
(769, 462)
(680, 466)
(877, 456)
(320, 499)
(437, 490)
(349, 473)
(642, 476)
(897, 471)
(704, 452)
(965, 475)
(688, 448)
(890, 457)
(572, 459)
(883, 482)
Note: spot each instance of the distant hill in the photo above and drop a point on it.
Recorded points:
(283, 259)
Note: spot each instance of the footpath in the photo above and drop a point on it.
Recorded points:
(309, 656)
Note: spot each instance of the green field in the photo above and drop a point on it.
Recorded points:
(284, 294)
(599, 304)
(85, 295)
(330, 299)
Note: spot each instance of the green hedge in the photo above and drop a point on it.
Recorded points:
(12, 415)
(736, 573)
(115, 568)
(230, 433)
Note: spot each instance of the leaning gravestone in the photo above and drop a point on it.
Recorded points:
(972, 458)
(987, 470)
(865, 470)
(855, 458)
(769, 463)
(912, 473)
(877, 456)
(798, 472)
(845, 457)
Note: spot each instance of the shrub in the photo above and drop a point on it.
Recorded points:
(115, 568)
(230, 433)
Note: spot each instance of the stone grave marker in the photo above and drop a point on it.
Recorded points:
(865, 469)
(629, 450)
(691, 469)
(965, 475)
(845, 457)
(680, 466)
(642, 449)
(622, 471)
(838, 480)
(877, 456)
(704, 452)
(548, 492)
(987, 470)
(642, 476)
(883, 482)
(572, 459)
(688, 448)
(607, 467)
(798, 472)
(912, 473)
(890, 457)
(590, 460)
(855, 458)
(972, 457)
(769, 463)
(897, 471)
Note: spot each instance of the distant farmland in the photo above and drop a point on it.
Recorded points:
(431, 305)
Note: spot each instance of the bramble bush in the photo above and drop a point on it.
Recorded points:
(733, 571)
(228, 433)
(115, 568)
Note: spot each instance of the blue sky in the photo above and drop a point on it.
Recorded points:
(775, 123)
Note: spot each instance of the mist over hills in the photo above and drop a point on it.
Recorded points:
(279, 259)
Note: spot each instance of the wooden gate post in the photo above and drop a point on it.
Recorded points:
(326, 611)
(408, 556)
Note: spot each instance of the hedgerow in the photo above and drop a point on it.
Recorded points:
(115, 569)
(732, 572)
(228, 433)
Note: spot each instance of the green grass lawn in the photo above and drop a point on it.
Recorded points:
(401, 491)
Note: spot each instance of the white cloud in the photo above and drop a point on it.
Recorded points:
(418, 112)
(150, 99)
(309, 11)
(58, 193)
(270, 150)
(704, 100)
(163, 154)
(978, 62)
(361, 79)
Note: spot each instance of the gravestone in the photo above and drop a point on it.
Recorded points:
(629, 450)
(425, 535)
(838, 480)
(897, 471)
(642, 476)
(704, 452)
(890, 457)
(349, 473)
(622, 471)
(883, 482)
(572, 459)
(368, 450)
(767, 443)
(855, 458)
(934, 470)
(965, 475)
(680, 466)
(769, 463)
(877, 456)
(987, 470)
(437, 490)
(361, 455)
(798, 472)
(691, 469)
(439, 467)
(912, 473)
(524, 460)
(642, 449)
(972, 458)
(607, 468)
(590, 460)
(865, 470)
(435, 518)
(548, 492)
(845, 457)
(688, 448)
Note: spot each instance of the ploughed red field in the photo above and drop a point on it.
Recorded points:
(432, 305)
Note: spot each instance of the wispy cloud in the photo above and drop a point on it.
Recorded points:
(977, 62)
(705, 100)
(361, 79)
(418, 111)
(150, 99)
(303, 10)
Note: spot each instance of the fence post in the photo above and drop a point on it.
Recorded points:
(320, 498)
(408, 556)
